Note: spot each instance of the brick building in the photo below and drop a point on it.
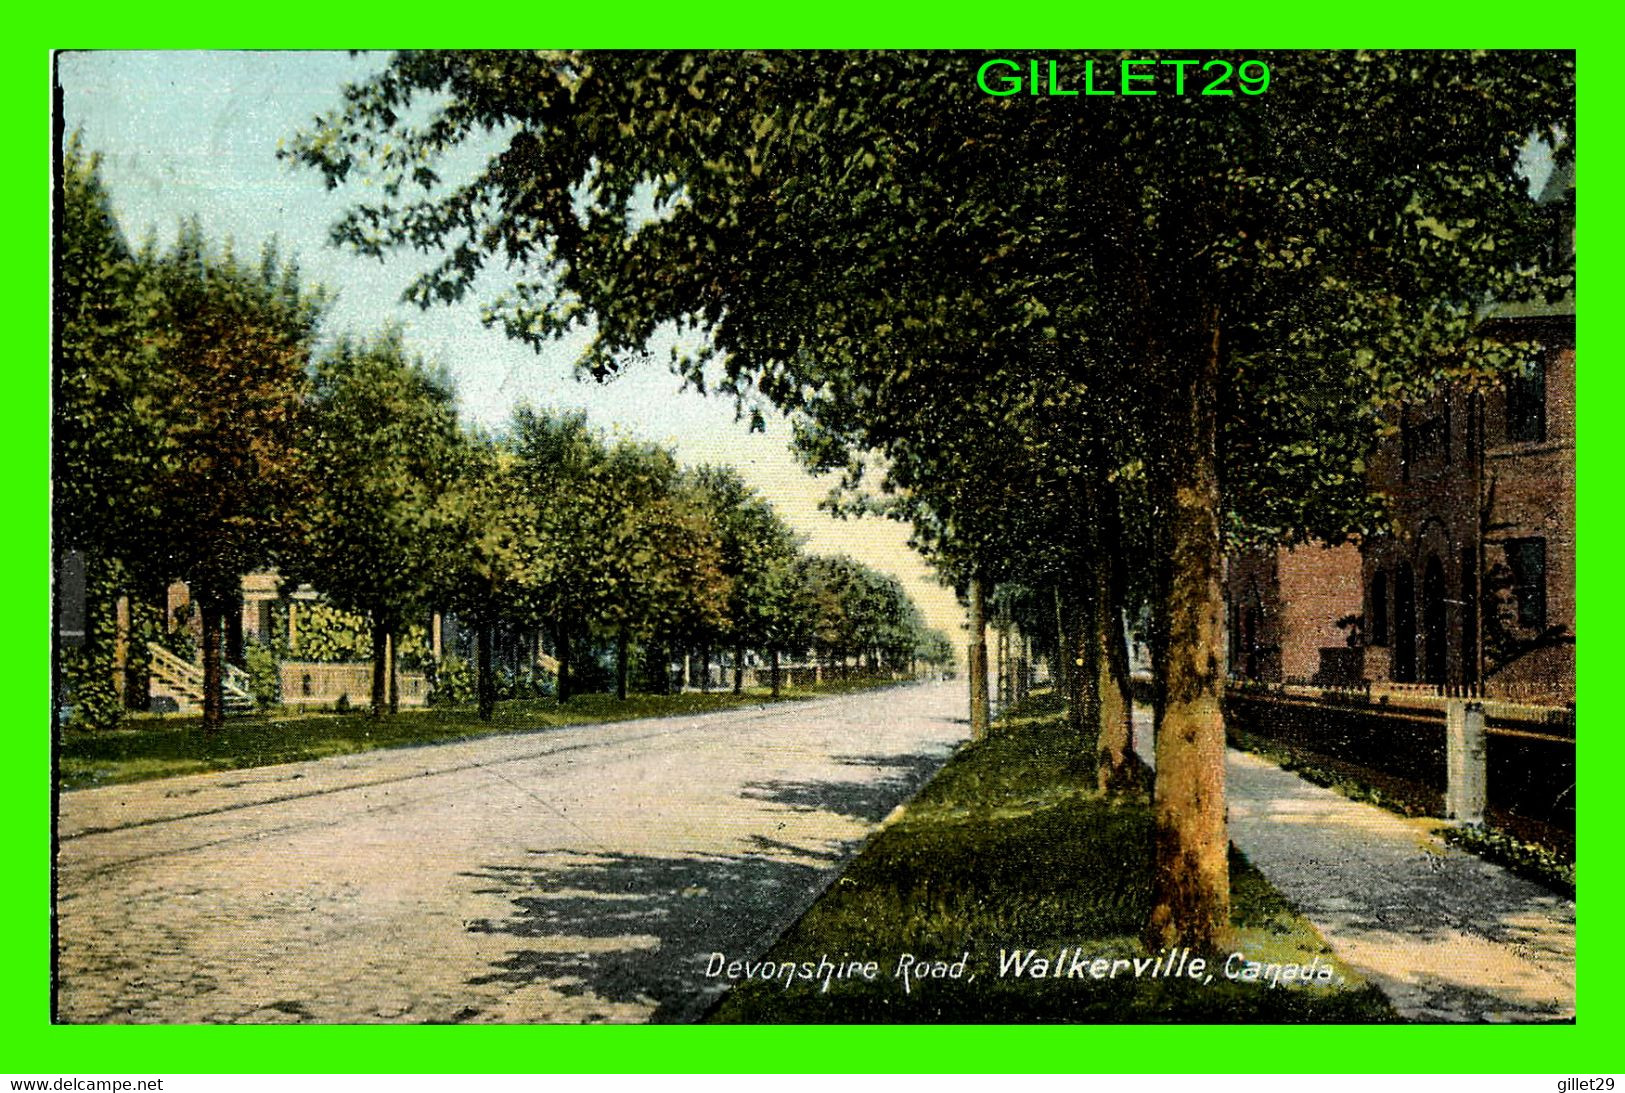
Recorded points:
(1475, 586)
(1294, 614)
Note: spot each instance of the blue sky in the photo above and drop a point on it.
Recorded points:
(184, 134)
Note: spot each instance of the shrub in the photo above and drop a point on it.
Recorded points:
(264, 675)
(452, 683)
(89, 697)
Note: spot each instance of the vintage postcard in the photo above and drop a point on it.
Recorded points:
(817, 538)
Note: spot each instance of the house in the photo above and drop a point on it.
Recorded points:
(1474, 586)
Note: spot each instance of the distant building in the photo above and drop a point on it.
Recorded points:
(1295, 613)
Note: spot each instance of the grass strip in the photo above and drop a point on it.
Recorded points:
(1010, 850)
(145, 749)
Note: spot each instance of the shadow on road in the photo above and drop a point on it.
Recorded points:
(634, 929)
(869, 801)
(639, 930)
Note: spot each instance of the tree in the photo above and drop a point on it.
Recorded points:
(384, 453)
(498, 564)
(233, 342)
(557, 456)
(106, 432)
(766, 608)
(656, 566)
(847, 232)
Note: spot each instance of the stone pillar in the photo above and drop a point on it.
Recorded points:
(1465, 762)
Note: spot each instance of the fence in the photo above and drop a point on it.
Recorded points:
(1528, 761)
(309, 683)
(721, 676)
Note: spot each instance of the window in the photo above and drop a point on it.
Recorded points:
(1379, 608)
(1527, 560)
(1526, 402)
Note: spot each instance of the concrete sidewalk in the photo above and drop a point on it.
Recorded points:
(1447, 936)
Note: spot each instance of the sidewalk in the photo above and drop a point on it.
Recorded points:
(1446, 935)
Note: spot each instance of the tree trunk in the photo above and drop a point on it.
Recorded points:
(1191, 894)
(1116, 769)
(1083, 683)
(621, 657)
(392, 656)
(380, 669)
(485, 685)
(773, 658)
(561, 640)
(211, 613)
(739, 669)
(1062, 670)
(233, 610)
(979, 713)
(146, 622)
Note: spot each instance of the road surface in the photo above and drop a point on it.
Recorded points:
(575, 875)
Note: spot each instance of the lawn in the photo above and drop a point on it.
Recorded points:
(166, 747)
(1008, 851)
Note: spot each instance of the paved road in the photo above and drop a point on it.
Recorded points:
(1447, 936)
(576, 875)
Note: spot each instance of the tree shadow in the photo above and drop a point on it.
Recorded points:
(639, 929)
(870, 800)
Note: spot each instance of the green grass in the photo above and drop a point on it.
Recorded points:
(149, 748)
(1010, 847)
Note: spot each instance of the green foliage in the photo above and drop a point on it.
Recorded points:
(857, 610)
(108, 407)
(232, 342)
(331, 635)
(386, 450)
(87, 669)
(1008, 340)
(88, 690)
(1537, 863)
(453, 683)
(264, 675)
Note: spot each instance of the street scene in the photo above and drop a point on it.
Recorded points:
(583, 875)
(830, 537)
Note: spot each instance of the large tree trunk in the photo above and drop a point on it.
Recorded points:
(211, 613)
(485, 684)
(739, 669)
(979, 712)
(380, 668)
(561, 639)
(1191, 896)
(621, 658)
(773, 657)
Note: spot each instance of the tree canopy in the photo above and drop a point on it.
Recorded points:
(1180, 321)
